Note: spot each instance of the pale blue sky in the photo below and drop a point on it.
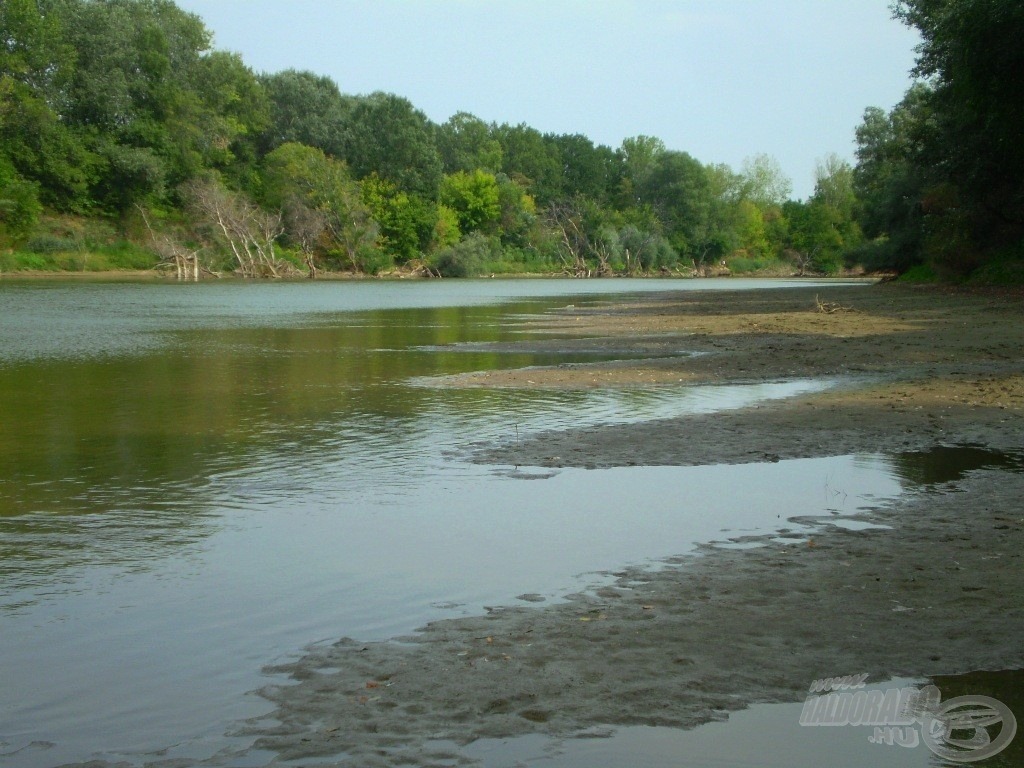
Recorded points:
(720, 79)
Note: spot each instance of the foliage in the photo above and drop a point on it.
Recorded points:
(304, 108)
(466, 258)
(389, 137)
(114, 108)
(474, 197)
(941, 177)
(466, 143)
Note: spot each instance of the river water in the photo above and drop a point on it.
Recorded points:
(197, 481)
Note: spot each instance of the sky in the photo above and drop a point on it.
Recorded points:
(720, 79)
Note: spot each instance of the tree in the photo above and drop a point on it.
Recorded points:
(466, 144)
(36, 63)
(305, 108)
(833, 184)
(834, 191)
(588, 244)
(890, 178)
(323, 206)
(518, 213)
(971, 51)
(530, 161)
(638, 157)
(586, 169)
(232, 113)
(679, 191)
(644, 250)
(941, 176)
(388, 136)
(19, 203)
(407, 222)
(247, 231)
(814, 242)
(474, 197)
(764, 182)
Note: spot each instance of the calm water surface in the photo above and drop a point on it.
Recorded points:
(198, 481)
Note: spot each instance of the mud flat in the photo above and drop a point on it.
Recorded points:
(938, 592)
(933, 588)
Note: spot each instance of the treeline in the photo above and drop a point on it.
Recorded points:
(940, 178)
(119, 112)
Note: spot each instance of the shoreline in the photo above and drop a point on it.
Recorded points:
(931, 588)
(131, 275)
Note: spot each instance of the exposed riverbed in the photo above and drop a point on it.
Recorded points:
(203, 480)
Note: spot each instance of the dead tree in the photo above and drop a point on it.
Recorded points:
(566, 219)
(248, 231)
(185, 261)
(305, 227)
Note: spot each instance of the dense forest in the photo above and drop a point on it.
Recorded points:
(127, 141)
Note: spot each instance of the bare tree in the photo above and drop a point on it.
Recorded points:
(170, 251)
(305, 227)
(566, 218)
(248, 231)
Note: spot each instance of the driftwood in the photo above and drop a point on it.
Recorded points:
(830, 307)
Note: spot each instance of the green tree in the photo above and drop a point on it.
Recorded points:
(679, 191)
(19, 203)
(764, 183)
(323, 206)
(305, 108)
(407, 222)
(890, 178)
(474, 197)
(466, 144)
(941, 177)
(232, 112)
(518, 215)
(813, 242)
(586, 169)
(637, 156)
(834, 190)
(530, 161)
(388, 136)
(971, 51)
(36, 64)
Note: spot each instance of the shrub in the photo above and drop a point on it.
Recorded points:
(467, 258)
(45, 244)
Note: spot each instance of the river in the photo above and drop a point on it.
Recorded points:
(197, 481)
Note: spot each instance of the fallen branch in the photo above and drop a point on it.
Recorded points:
(830, 307)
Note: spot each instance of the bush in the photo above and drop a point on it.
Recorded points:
(520, 261)
(46, 244)
(467, 258)
(884, 255)
(829, 263)
(1006, 267)
(922, 273)
(745, 265)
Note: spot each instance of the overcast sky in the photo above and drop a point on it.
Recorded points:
(720, 79)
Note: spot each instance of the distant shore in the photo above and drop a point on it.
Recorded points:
(130, 275)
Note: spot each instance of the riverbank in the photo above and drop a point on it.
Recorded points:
(912, 367)
(931, 587)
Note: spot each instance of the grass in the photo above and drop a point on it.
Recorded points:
(76, 244)
(922, 273)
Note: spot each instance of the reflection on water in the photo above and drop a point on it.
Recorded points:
(948, 463)
(764, 735)
(198, 481)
